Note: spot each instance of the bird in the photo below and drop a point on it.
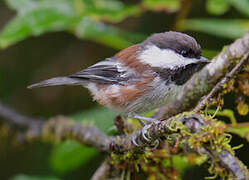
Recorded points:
(142, 77)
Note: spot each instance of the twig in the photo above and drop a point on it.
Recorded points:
(226, 159)
(20, 121)
(16, 118)
(103, 171)
(55, 129)
(233, 164)
(122, 125)
(219, 86)
(204, 81)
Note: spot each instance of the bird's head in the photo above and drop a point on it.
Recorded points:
(170, 50)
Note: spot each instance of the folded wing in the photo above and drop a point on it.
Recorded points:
(109, 71)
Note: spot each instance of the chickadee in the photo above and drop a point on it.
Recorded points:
(141, 77)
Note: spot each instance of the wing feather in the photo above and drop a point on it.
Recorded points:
(109, 71)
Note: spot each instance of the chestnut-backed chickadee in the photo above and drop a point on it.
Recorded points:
(141, 77)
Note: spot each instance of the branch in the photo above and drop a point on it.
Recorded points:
(15, 118)
(55, 129)
(219, 86)
(20, 121)
(62, 128)
(204, 81)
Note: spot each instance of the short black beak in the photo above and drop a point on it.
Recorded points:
(204, 60)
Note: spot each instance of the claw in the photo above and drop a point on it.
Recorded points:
(134, 141)
(144, 131)
(133, 138)
(145, 137)
(155, 145)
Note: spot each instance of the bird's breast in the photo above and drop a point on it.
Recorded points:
(161, 94)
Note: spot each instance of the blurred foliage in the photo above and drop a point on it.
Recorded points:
(26, 177)
(175, 166)
(37, 17)
(162, 5)
(106, 34)
(242, 108)
(109, 10)
(220, 7)
(227, 28)
(96, 20)
(220, 27)
(96, 116)
(225, 113)
(82, 17)
(241, 130)
(241, 5)
(182, 163)
(209, 53)
(70, 154)
(217, 7)
(77, 16)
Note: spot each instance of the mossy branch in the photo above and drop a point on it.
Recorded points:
(196, 131)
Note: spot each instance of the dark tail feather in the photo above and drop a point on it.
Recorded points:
(58, 81)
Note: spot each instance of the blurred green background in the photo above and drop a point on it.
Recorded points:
(40, 39)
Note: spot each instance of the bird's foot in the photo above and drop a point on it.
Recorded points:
(143, 137)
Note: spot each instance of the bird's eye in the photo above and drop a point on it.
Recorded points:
(184, 53)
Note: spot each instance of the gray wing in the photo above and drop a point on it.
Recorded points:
(109, 71)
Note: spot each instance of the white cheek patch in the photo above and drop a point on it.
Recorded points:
(157, 57)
